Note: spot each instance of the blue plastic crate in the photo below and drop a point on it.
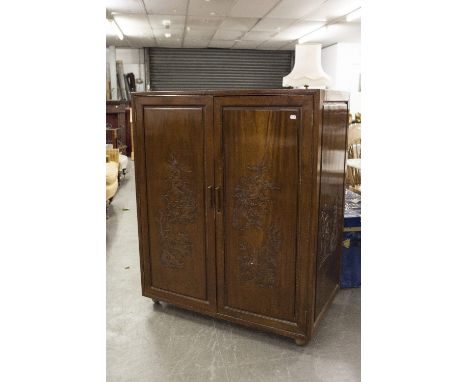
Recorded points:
(350, 276)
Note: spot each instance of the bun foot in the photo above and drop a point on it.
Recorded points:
(300, 341)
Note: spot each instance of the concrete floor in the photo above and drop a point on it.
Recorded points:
(147, 342)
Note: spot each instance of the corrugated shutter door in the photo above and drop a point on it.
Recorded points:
(179, 69)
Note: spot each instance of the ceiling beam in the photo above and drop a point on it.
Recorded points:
(148, 20)
(185, 24)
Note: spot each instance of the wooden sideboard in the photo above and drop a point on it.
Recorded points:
(240, 203)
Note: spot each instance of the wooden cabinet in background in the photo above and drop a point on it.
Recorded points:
(240, 203)
(118, 117)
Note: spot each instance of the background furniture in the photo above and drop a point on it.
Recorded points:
(118, 117)
(120, 159)
(112, 137)
(351, 257)
(112, 173)
(240, 203)
(123, 162)
(353, 162)
(132, 156)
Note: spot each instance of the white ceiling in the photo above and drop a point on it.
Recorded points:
(237, 24)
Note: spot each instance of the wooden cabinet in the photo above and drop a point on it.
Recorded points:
(118, 117)
(240, 203)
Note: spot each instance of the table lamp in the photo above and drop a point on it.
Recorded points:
(307, 71)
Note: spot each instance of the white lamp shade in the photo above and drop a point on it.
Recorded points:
(307, 68)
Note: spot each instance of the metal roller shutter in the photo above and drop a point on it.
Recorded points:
(179, 69)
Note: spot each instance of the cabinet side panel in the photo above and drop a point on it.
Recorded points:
(334, 122)
(174, 156)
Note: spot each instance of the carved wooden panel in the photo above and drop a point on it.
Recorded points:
(257, 263)
(331, 202)
(252, 198)
(179, 209)
(260, 209)
(329, 231)
(260, 264)
(174, 148)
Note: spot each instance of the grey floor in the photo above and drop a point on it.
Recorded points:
(147, 342)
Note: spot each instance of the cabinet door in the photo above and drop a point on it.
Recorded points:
(174, 169)
(264, 178)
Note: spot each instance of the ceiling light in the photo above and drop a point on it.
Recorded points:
(212, 13)
(117, 30)
(166, 23)
(354, 15)
(167, 35)
(188, 29)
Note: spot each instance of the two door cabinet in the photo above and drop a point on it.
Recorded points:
(240, 203)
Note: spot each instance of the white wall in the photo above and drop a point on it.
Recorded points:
(133, 62)
(342, 62)
(330, 63)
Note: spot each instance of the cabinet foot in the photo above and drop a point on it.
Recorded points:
(300, 341)
(157, 302)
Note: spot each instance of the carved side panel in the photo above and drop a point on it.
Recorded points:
(329, 232)
(180, 210)
(257, 262)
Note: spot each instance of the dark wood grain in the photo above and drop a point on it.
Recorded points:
(328, 95)
(260, 166)
(330, 216)
(175, 141)
(261, 176)
(239, 204)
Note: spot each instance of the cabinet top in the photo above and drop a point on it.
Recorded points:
(328, 95)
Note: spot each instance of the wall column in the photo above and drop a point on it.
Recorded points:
(113, 72)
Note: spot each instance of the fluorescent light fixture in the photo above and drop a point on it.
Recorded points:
(354, 15)
(166, 23)
(310, 36)
(167, 35)
(117, 30)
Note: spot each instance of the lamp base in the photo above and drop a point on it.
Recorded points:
(306, 83)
